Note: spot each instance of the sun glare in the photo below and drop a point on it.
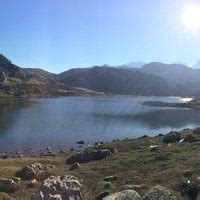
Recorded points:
(191, 18)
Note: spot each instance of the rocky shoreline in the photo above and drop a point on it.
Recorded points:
(193, 104)
(146, 168)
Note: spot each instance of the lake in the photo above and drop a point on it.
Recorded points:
(34, 124)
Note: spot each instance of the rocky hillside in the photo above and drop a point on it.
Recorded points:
(24, 82)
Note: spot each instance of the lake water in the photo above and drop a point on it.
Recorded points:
(61, 122)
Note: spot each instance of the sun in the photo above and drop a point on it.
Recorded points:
(191, 18)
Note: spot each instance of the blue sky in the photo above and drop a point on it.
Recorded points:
(60, 34)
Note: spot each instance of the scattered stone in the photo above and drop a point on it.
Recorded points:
(33, 183)
(34, 171)
(16, 179)
(124, 195)
(3, 155)
(7, 185)
(84, 157)
(60, 188)
(190, 138)
(19, 155)
(172, 137)
(110, 178)
(74, 166)
(182, 140)
(62, 151)
(153, 148)
(158, 193)
(48, 153)
(102, 195)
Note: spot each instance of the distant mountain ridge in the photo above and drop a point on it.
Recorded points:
(154, 78)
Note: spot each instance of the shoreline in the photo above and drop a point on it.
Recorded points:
(78, 146)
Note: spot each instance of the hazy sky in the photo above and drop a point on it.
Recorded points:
(60, 34)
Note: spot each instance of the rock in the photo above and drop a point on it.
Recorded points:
(33, 183)
(190, 138)
(84, 157)
(81, 142)
(132, 187)
(124, 195)
(153, 148)
(74, 166)
(158, 193)
(197, 131)
(34, 171)
(3, 155)
(4, 196)
(62, 151)
(172, 137)
(190, 189)
(7, 185)
(102, 195)
(110, 178)
(188, 173)
(48, 153)
(60, 188)
(16, 179)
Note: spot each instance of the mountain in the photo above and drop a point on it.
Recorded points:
(132, 65)
(116, 81)
(16, 81)
(172, 72)
(154, 78)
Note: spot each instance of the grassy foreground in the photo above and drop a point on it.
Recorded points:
(134, 164)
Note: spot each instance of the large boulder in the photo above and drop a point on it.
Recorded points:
(190, 138)
(172, 137)
(34, 171)
(84, 157)
(197, 131)
(124, 195)
(60, 188)
(158, 193)
(7, 185)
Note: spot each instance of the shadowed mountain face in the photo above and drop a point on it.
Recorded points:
(117, 81)
(173, 72)
(151, 79)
